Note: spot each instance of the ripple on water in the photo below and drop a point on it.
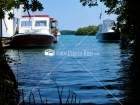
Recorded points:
(95, 79)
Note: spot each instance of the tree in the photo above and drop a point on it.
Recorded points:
(128, 22)
(7, 5)
(9, 93)
(67, 32)
(90, 30)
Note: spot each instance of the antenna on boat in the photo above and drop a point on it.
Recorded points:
(100, 15)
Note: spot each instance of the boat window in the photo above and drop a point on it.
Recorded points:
(53, 24)
(26, 23)
(111, 23)
(41, 23)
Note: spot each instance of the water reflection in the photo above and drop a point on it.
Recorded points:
(130, 88)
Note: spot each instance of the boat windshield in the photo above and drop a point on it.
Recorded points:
(26, 23)
(111, 23)
(41, 23)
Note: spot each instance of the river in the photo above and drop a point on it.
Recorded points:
(86, 68)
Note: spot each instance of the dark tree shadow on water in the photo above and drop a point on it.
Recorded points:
(131, 81)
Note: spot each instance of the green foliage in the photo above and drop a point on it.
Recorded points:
(67, 32)
(90, 3)
(128, 23)
(9, 94)
(7, 5)
(126, 11)
(90, 30)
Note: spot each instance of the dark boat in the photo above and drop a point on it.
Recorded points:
(106, 33)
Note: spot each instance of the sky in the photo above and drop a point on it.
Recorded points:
(71, 15)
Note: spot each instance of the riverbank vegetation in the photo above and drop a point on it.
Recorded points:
(90, 30)
(128, 24)
(9, 93)
(67, 32)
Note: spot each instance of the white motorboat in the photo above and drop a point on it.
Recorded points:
(106, 33)
(34, 30)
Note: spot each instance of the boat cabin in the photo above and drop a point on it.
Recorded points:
(107, 25)
(53, 25)
(37, 24)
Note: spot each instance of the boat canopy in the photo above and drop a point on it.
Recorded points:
(107, 25)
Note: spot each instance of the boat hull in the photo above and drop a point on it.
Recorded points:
(97, 35)
(108, 37)
(32, 39)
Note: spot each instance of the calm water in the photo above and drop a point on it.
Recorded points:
(90, 69)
